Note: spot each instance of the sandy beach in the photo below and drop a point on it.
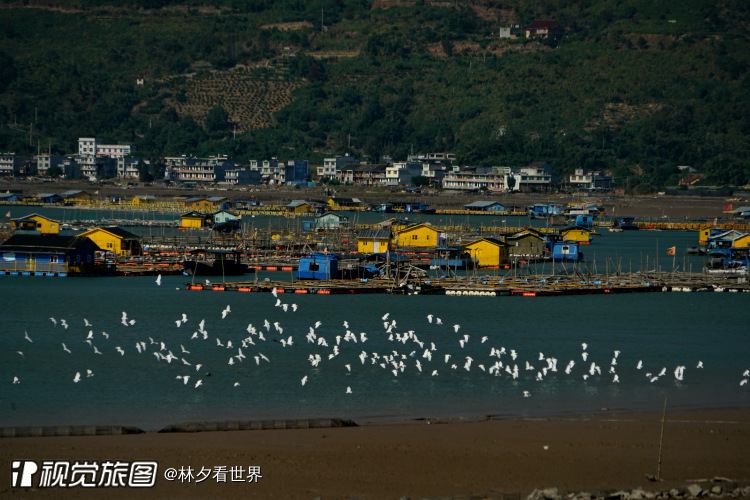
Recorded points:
(420, 459)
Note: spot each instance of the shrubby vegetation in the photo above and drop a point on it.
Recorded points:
(637, 89)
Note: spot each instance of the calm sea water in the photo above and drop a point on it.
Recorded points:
(661, 331)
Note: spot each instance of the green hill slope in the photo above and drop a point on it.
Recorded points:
(635, 89)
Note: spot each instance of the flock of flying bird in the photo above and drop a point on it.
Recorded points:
(406, 351)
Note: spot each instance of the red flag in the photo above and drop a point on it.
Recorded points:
(727, 207)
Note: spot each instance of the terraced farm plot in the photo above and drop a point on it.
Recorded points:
(249, 100)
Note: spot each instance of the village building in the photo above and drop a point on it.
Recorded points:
(374, 241)
(205, 204)
(488, 252)
(343, 203)
(585, 179)
(116, 240)
(298, 206)
(193, 220)
(11, 165)
(528, 243)
(49, 198)
(46, 161)
(332, 166)
(77, 196)
(363, 174)
(485, 206)
(223, 216)
(199, 170)
(35, 224)
(9, 198)
(402, 173)
(331, 221)
(47, 254)
(577, 234)
(544, 29)
(419, 235)
(143, 199)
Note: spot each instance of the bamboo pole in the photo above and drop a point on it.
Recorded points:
(661, 439)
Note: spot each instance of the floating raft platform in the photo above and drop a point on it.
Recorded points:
(530, 286)
(298, 287)
(438, 287)
(138, 269)
(273, 267)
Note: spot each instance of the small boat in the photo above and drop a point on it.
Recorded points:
(205, 262)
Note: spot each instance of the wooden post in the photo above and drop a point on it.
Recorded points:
(661, 439)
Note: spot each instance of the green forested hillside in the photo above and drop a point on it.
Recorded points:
(635, 87)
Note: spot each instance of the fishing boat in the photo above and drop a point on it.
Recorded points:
(204, 262)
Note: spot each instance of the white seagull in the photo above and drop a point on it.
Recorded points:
(158, 280)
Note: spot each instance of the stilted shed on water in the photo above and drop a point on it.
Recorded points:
(488, 252)
(318, 266)
(116, 240)
(35, 224)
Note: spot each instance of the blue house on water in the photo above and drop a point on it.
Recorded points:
(46, 255)
(318, 266)
(566, 251)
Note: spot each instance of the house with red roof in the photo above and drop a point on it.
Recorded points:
(544, 28)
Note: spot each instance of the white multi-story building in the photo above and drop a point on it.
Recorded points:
(587, 179)
(92, 156)
(212, 169)
(537, 175)
(402, 173)
(127, 168)
(476, 178)
(10, 164)
(91, 146)
(332, 166)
